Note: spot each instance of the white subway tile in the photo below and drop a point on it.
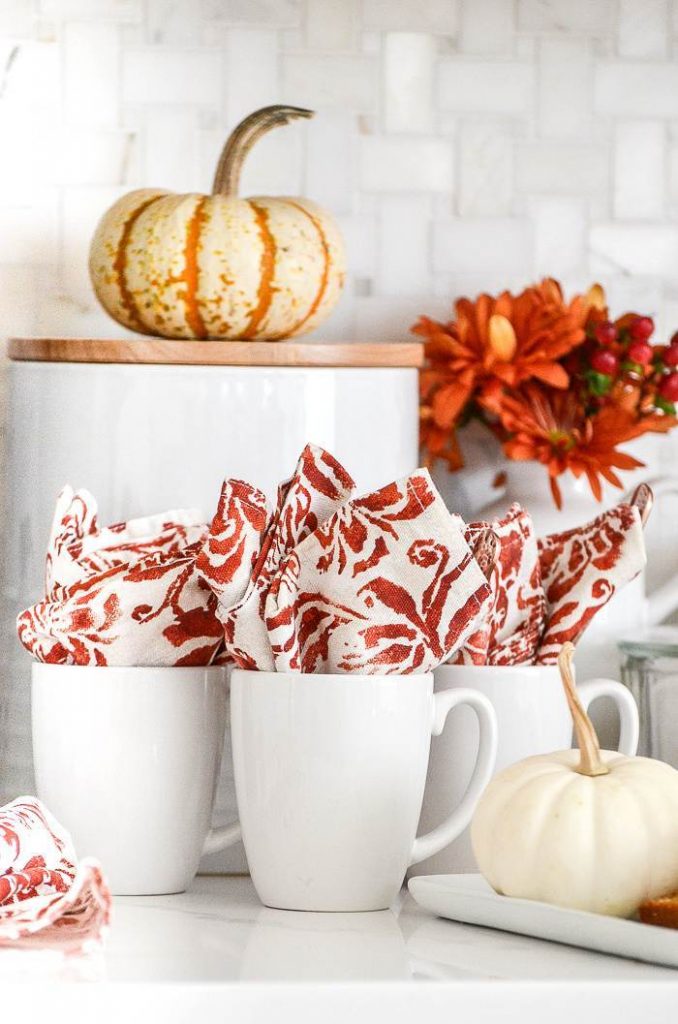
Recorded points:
(29, 225)
(275, 166)
(673, 175)
(251, 69)
(395, 164)
(487, 26)
(17, 19)
(122, 11)
(560, 236)
(639, 170)
(642, 89)
(634, 249)
(331, 153)
(485, 246)
(497, 87)
(360, 238)
(409, 61)
(643, 28)
(171, 75)
(173, 22)
(330, 82)
(404, 245)
(281, 13)
(96, 157)
(91, 78)
(590, 17)
(389, 318)
(31, 75)
(82, 208)
(565, 87)
(438, 16)
(557, 167)
(485, 169)
(18, 308)
(171, 154)
(331, 25)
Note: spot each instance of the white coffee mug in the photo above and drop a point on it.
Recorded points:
(127, 759)
(329, 775)
(532, 718)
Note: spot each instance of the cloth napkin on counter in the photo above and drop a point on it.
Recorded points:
(318, 487)
(47, 897)
(127, 594)
(384, 583)
(583, 568)
(515, 620)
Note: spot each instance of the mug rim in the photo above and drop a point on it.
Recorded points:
(38, 667)
(512, 669)
(324, 678)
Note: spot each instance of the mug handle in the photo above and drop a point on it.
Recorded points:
(434, 841)
(222, 837)
(626, 706)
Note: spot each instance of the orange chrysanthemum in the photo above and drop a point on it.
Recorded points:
(553, 429)
(493, 344)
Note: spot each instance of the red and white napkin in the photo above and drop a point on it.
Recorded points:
(582, 569)
(318, 486)
(516, 616)
(127, 594)
(47, 897)
(381, 584)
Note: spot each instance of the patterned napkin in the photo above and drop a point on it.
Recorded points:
(47, 898)
(583, 568)
(127, 594)
(318, 486)
(512, 629)
(379, 584)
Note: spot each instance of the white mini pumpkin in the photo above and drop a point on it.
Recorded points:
(584, 829)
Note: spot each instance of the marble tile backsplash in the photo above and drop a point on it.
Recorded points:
(462, 144)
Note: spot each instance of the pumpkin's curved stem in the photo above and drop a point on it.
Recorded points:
(241, 140)
(590, 761)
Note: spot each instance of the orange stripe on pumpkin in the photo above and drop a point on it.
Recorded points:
(127, 300)
(265, 290)
(322, 287)
(192, 271)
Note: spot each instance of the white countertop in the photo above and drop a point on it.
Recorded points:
(215, 954)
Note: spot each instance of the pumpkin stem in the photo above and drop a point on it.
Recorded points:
(241, 140)
(590, 762)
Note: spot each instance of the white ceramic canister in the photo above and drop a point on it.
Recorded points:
(150, 425)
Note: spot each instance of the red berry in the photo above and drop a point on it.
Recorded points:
(668, 388)
(605, 333)
(674, 339)
(641, 328)
(640, 352)
(670, 356)
(604, 361)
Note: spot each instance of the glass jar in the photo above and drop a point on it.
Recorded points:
(649, 667)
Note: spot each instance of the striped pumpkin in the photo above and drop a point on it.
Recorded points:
(198, 266)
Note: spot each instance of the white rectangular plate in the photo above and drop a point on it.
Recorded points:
(468, 898)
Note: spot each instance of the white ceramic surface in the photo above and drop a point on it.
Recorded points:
(469, 899)
(532, 718)
(147, 438)
(330, 773)
(127, 759)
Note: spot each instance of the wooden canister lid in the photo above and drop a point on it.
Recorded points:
(216, 353)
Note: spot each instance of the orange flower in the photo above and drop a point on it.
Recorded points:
(495, 343)
(554, 430)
